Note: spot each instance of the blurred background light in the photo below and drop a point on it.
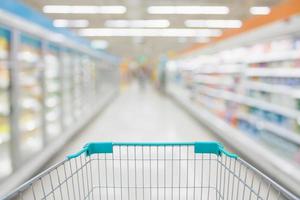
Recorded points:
(80, 23)
(157, 23)
(188, 10)
(84, 9)
(213, 23)
(260, 10)
(171, 32)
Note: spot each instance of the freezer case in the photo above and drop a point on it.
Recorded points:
(5, 161)
(30, 96)
(67, 88)
(78, 87)
(52, 92)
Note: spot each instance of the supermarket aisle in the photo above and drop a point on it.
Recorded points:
(139, 116)
(143, 116)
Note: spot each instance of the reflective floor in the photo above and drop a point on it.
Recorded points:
(139, 115)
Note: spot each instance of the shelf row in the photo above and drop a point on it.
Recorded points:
(254, 88)
(44, 89)
(249, 146)
(280, 72)
(228, 96)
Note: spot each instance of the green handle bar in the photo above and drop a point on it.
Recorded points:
(107, 147)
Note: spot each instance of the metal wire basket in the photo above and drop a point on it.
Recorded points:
(151, 171)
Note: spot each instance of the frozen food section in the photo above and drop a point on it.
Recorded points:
(53, 92)
(30, 99)
(67, 88)
(48, 89)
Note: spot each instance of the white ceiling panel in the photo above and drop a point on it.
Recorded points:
(137, 10)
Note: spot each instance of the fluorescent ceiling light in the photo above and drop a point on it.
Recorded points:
(99, 44)
(80, 23)
(260, 10)
(155, 23)
(213, 23)
(66, 9)
(138, 32)
(188, 10)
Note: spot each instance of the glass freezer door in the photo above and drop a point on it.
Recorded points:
(30, 97)
(78, 87)
(52, 92)
(5, 161)
(68, 88)
(86, 84)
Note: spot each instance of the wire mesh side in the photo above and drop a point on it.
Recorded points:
(238, 180)
(67, 180)
(151, 173)
(154, 172)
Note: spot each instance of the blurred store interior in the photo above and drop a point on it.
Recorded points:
(73, 72)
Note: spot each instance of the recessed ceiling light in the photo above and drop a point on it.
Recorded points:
(80, 23)
(66, 9)
(213, 23)
(260, 10)
(188, 10)
(139, 32)
(99, 44)
(156, 23)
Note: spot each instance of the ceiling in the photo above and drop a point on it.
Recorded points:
(151, 47)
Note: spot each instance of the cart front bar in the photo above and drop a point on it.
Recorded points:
(199, 147)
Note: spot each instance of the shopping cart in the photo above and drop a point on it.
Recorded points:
(151, 171)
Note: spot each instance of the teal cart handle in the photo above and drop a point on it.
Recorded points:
(107, 147)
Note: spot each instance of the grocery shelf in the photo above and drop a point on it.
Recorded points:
(273, 88)
(273, 56)
(280, 169)
(273, 72)
(241, 99)
(247, 88)
(291, 136)
(220, 69)
(213, 80)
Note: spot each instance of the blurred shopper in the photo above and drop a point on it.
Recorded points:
(162, 74)
(142, 77)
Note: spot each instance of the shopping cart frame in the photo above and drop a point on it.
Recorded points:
(202, 148)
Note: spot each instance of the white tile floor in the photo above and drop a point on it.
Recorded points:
(137, 115)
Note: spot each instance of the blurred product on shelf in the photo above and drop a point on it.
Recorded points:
(246, 89)
(253, 88)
